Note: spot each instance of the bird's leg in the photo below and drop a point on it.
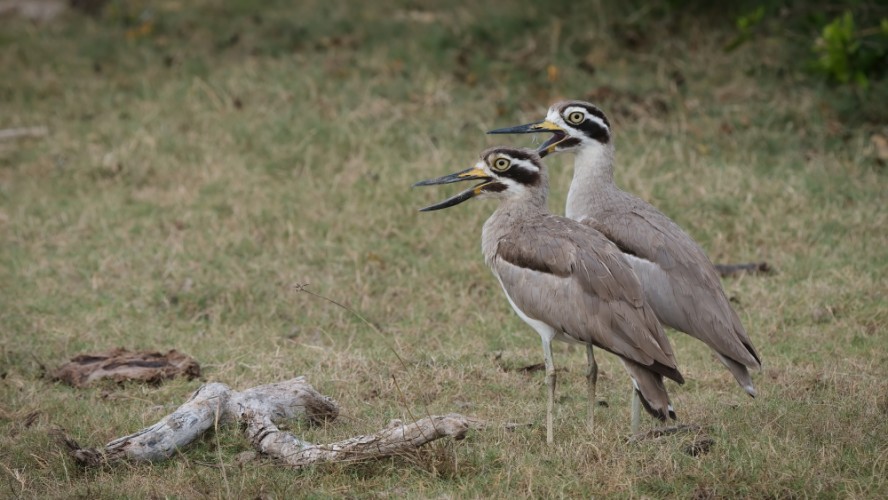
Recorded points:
(550, 385)
(591, 380)
(636, 411)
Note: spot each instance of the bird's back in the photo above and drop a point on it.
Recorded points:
(679, 280)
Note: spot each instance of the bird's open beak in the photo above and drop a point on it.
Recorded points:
(473, 173)
(558, 134)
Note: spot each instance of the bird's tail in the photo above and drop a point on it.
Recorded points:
(740, 372)
(651, 390)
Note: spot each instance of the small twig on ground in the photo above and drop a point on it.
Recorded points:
(664, 431)
(478, 424)
(701, 444)
(9, 134)
(731, 270)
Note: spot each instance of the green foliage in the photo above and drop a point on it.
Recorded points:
(745, 26)
(843, 55)
(849, 46)
(837, 48)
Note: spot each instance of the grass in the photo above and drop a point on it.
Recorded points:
(204, 160)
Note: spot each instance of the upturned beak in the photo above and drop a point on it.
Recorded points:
(558, 134)
(469, 174)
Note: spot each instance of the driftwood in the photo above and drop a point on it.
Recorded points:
(731, 270)
(211, 404)
(259, 410)
(121, 365)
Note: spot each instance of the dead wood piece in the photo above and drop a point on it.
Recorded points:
(701, 444)
(699, 447)
(732, 270)
(85, 457)
(394, 439)
(479, 424)
(664, 431)
(208, 405)
(261, 409)
(121, 365)
(535, 367)
(20, 133)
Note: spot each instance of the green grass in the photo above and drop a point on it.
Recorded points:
(194, 175)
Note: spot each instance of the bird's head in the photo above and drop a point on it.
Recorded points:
(505, 173)
(573, 124)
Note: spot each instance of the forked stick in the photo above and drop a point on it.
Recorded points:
(260, 409)
(212, 403)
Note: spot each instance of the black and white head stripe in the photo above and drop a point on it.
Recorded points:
(503, 172)
(524, 166)
(583, 118)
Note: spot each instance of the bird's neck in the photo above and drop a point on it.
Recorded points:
(593, 172)
(510, 214)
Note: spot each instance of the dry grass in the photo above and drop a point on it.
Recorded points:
(194, 174)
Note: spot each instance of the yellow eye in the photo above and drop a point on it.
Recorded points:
(575, 118)
(501, 164)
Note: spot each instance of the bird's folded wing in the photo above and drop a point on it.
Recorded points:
(703, 308)
(575, 280)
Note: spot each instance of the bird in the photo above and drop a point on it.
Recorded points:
(564, 278)
(680, 282)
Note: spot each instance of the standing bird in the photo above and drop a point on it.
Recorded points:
(564, 278)
(680, 283)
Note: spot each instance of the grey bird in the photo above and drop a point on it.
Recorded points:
(680, 282)
(564, 278)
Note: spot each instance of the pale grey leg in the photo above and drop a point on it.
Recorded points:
(550, 385)
(591, 380)
(636, 411)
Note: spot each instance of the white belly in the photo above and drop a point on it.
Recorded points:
(546, 332)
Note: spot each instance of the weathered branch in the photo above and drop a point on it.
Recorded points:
(260, 410)
(210, 404)
(394, 439)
